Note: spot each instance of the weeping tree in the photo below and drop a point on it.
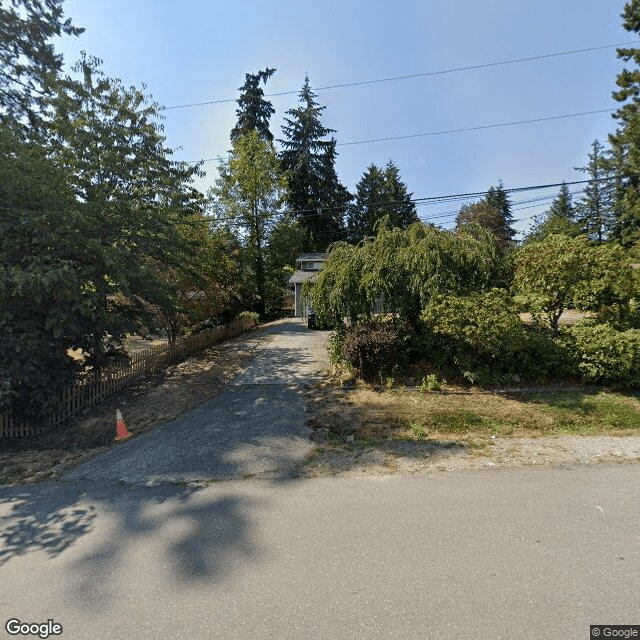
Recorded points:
(400, 270)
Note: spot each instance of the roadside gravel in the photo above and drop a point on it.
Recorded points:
(404, 457)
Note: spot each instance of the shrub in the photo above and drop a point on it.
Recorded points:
(475, 332)
(371, 347)
(607, 355)
(481, 338)
(249, 314)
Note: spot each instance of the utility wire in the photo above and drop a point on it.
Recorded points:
(414, 75)
(478, 128)
(317, 211)
(447, 131)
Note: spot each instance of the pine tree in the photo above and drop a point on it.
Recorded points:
(254, 112)
(498, 198)
(594, 212)
(624, 141)
(316, 196)
(560, 218)
(380, 193)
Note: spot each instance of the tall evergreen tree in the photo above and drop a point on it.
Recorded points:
(254, 112)
(594, 211)
(379, 193)
(498, 198)
(624, 141)
(560, 218)
(316, 195)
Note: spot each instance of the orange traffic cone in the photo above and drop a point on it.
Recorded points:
(121, 427)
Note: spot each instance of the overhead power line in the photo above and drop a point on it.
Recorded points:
(425, 74)
(449, 131)
(478, 128)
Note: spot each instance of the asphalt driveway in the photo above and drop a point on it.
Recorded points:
(256, 427)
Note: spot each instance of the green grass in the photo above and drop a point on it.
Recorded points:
(580, 412)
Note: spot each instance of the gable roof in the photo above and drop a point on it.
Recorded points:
(304, 257)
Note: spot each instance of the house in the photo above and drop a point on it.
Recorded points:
(309, 264)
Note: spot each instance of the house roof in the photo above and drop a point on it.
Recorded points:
(303, 276)
(311, 256)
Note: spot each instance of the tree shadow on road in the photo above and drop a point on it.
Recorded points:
(175, 534)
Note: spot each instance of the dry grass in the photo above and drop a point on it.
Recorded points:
(369, 414)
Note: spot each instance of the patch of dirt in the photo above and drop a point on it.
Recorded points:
(567, 319)
(158, 399)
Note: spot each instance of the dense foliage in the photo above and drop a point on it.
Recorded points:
(101, 232)
(480, 337)
(373, 348)
(249, 190)
(316, 196)
(380, 193)
(561, 270)
(399, 270)
(607, 355)
(492, 213)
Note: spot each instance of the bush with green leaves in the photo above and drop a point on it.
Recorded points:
(481, 338)
(607, 355)
(373, 348)
(561, 270)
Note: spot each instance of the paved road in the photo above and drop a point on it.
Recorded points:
(255, 427)
(527, 554)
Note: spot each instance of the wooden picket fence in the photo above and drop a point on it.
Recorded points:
(94, 387)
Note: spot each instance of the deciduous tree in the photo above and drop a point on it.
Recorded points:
(249, 191)
(561, 270)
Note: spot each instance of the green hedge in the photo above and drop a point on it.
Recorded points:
(607, 355)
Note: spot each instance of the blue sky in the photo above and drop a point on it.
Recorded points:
(199, 50)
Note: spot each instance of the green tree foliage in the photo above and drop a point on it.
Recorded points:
(561, 270)
(379, 193)
(480, 337)
(249, 191)
(134, 199)
(559, 219)
(28, 62)
(93, 213)
(626, 150)
(498, 198)
(492, 213)
(254, 112)
(401, 269)
(594, 212)
(287, 240)
(205, 287)
(316, 196)
(44, 305)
